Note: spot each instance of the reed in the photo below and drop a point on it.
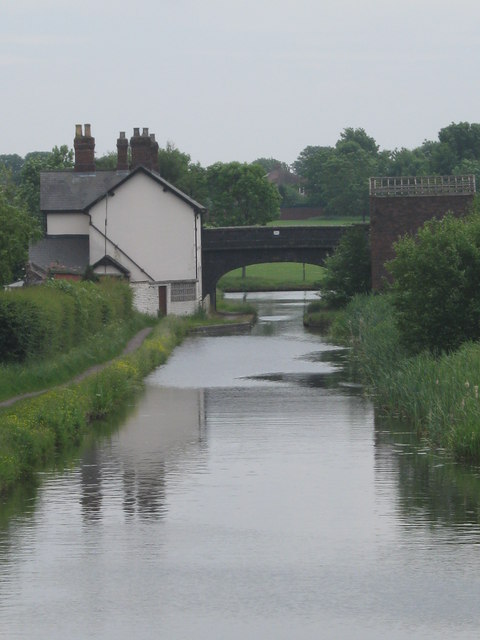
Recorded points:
(236, 307)
(439, 395)
(319, 316)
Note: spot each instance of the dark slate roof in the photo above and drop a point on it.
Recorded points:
(108, 260)
(74, 191)
(70, 252)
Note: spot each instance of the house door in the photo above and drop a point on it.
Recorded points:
(162, 301)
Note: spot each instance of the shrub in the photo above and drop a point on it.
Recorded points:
(52, 318)
(348, 270)
(436, 292)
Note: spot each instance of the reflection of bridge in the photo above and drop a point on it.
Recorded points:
(227, 248)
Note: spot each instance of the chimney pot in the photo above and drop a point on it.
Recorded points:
(136, 132)
(145, 131)
(84, 146)
(122, 152)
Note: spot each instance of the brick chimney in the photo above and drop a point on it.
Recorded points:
(154, 152)
(141, 148)
(84, 145)
(122, 152)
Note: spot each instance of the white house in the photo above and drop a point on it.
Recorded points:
(127, 222)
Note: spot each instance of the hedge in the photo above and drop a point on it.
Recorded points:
(36, 322)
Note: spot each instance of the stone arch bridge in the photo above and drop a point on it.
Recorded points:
(227, 248)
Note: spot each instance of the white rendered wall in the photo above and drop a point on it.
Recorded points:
(145, 297)
(59, 224)
(155, 228)
(146, 300)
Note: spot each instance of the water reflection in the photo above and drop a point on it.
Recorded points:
(152, 445)
(250, 493)
(431, 488)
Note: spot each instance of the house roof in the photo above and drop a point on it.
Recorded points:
(109, 261)
(71, 252)
(74, 191)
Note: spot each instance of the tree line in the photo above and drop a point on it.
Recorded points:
(333, 178)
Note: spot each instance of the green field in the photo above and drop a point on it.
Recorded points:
(273, 277)
(319, 222)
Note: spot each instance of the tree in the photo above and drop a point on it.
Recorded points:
(35, 162)
(270, 164)
(176, 167)
(463, 139)
(345, 182)
(13, 163)
(17, 228)
(239, 194)
(107, 161)
(337, 178)
(359, 138)
(310, 166)
(348, 269)
(406, 162)
(436, 287)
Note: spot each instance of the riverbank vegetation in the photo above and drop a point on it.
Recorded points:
(347, 272)
(417, 347)
(54, 332)
(36, 430)
(50, 333)
(39, 322)
(439, 394)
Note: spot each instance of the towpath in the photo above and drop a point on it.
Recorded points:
(131, 346)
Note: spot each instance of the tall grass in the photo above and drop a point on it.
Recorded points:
(41, 373)
(440, 395)
(35, 430)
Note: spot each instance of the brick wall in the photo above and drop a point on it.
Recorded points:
(145, 297)
(393, 217)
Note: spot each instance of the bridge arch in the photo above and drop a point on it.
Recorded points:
(228, 248)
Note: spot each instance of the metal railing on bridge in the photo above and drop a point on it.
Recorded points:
(422, 186)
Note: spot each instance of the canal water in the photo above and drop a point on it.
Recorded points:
(251, 493)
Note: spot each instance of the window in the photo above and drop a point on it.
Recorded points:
(183, 291)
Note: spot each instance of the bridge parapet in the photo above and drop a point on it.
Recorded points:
(228, 238)
(396, 186)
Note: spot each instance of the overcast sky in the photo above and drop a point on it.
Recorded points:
(235, 80)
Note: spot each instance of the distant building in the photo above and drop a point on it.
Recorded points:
(128, 223)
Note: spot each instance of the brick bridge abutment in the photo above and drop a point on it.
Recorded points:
(401, 205)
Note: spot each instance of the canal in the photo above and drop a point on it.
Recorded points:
(252, 492)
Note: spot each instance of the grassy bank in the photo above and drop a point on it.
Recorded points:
(440, 395)
(43, 373)
(273, 277)
(35, 430)
(319, 316)
(319, 222)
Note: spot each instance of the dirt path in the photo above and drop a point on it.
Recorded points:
(131, 346)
